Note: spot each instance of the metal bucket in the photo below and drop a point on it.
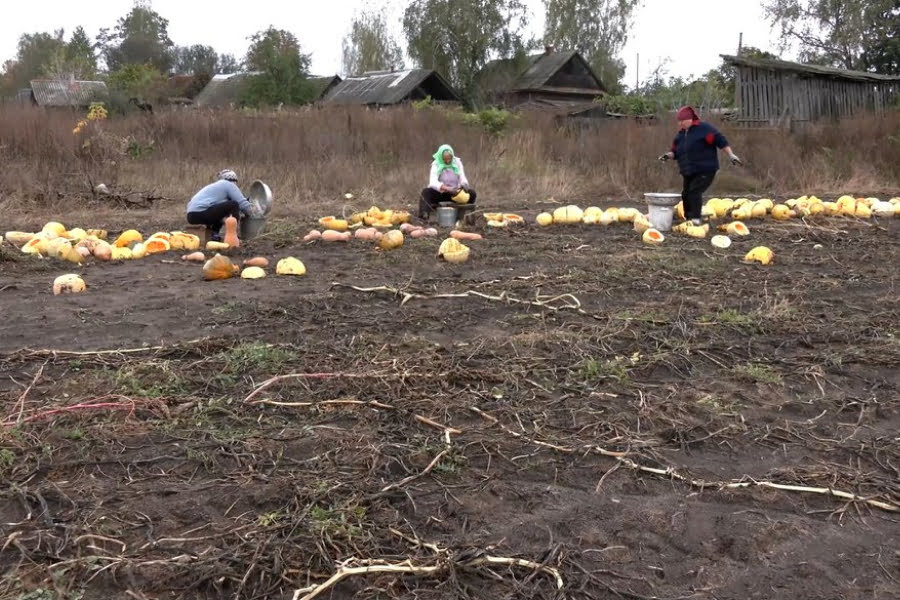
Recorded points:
(662, 209)
(252, 227)
(446, 216)
(260, 198)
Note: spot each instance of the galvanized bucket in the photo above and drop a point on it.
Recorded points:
(252, 227)
(446, 216)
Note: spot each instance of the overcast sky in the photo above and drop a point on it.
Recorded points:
(690, 35)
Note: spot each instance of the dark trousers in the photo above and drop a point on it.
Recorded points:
(214, 216)
(692, 193)
(431, 198)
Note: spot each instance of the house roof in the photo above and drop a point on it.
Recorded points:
(532, 72)
(386, 87)
(322, 84)
(222, 90)
(816, 70)
(56, 92)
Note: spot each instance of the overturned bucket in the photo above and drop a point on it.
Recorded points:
(662, 209)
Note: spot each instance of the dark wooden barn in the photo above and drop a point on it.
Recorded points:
(554, 80)
(385, 88)
(780, 93)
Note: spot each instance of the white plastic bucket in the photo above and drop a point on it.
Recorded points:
(661, 217)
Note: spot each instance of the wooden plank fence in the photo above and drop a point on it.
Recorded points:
(768, 98)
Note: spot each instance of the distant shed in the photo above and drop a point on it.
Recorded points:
(223, 90)
(385, 88)
(777, 93)
(63, 93)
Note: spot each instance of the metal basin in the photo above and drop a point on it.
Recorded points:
(260, 198)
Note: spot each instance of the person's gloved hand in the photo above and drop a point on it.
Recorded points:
(735, 160)
(664, 157)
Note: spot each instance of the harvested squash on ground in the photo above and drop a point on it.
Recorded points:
(100, 234)
(179, 240)
(314, 234)
(398, 217)
(642, 224)
(761, 254)
(334, 223)
(453, 251)
(231, 232)
(653, 236)
(781, 212)
(513, 218)
(465, 235)
(461, 197)
(544, 219)
(127, 238)
(122, 253)
(36, 245)
(253, 273)
(628, 215)
(290, 266)
(18, 238)
(53, 247)
(217, 246)
(257, 261)
(156, 246)
(194, 257)
(57, 229)
(497, 223)
(735, 228)
(161, 235)
(721, 241)
(391, 240)
(863, 211)
(568, 215)
(102, 251)
(331, 235)
(76, 234)
(68, 284)
(369, 234)
(696, 231)
(493, 216)
(219, 267)
(139, 250)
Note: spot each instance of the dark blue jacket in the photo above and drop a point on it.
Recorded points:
(696, 149)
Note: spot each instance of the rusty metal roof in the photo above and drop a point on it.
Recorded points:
(387, 87)
(55, 92)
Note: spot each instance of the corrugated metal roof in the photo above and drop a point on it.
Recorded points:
(783, 65)
(222, 90)
(535, 71)
(323, 84)
(390, 88)
(55, 92)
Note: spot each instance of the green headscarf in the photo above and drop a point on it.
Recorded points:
(439, 159)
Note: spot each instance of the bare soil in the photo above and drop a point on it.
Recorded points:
(595, 393)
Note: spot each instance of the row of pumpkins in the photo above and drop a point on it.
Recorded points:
(743, 209)
(76, 245)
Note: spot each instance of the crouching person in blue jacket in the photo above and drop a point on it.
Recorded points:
(695, 147)
(216, 202)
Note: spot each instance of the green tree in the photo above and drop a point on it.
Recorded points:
(850, 34)
(370, 46)
(282, 67)
(75, 59)
(457, 37)
(196, 60)
(35, 53)
(138, 81)
(598, 29)
(140, 37)
(227, 63)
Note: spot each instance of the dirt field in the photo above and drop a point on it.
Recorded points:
(579, 408)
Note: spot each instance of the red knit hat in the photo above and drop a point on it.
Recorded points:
(685, 113)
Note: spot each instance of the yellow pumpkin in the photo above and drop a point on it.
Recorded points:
(18, 238)
(735, 228)
(461, 197)
(253, 273)
(334, 223)
(139, 251)
(568, 215)
(453, 251)
(399, 217)
(781, 212)
(129, 237)
(68, 284)
(36, 245)
(642, 224)
(57, 229)
(760, 254)
(219, 267)
(628, 215)
(497, 223)
(290, 266)
(653, 236)
(121, 253)
(391, 240)
(544, 219)
(217, 246)
(721, 241)
(100, 234)
(76, 234)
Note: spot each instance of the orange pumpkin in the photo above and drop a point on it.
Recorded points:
(219, 267)
(231, 236)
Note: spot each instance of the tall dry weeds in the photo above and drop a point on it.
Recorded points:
(312, 157)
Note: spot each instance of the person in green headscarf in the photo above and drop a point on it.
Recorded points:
(447, 182)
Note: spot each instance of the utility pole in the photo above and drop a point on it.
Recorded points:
(740, 42)
(637, 73)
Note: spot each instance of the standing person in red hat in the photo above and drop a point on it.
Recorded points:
(695, 147)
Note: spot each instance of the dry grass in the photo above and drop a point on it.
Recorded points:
(312, 157)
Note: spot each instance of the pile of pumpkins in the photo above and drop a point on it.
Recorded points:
(76, 245)
(220, 267)
(744, 209)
